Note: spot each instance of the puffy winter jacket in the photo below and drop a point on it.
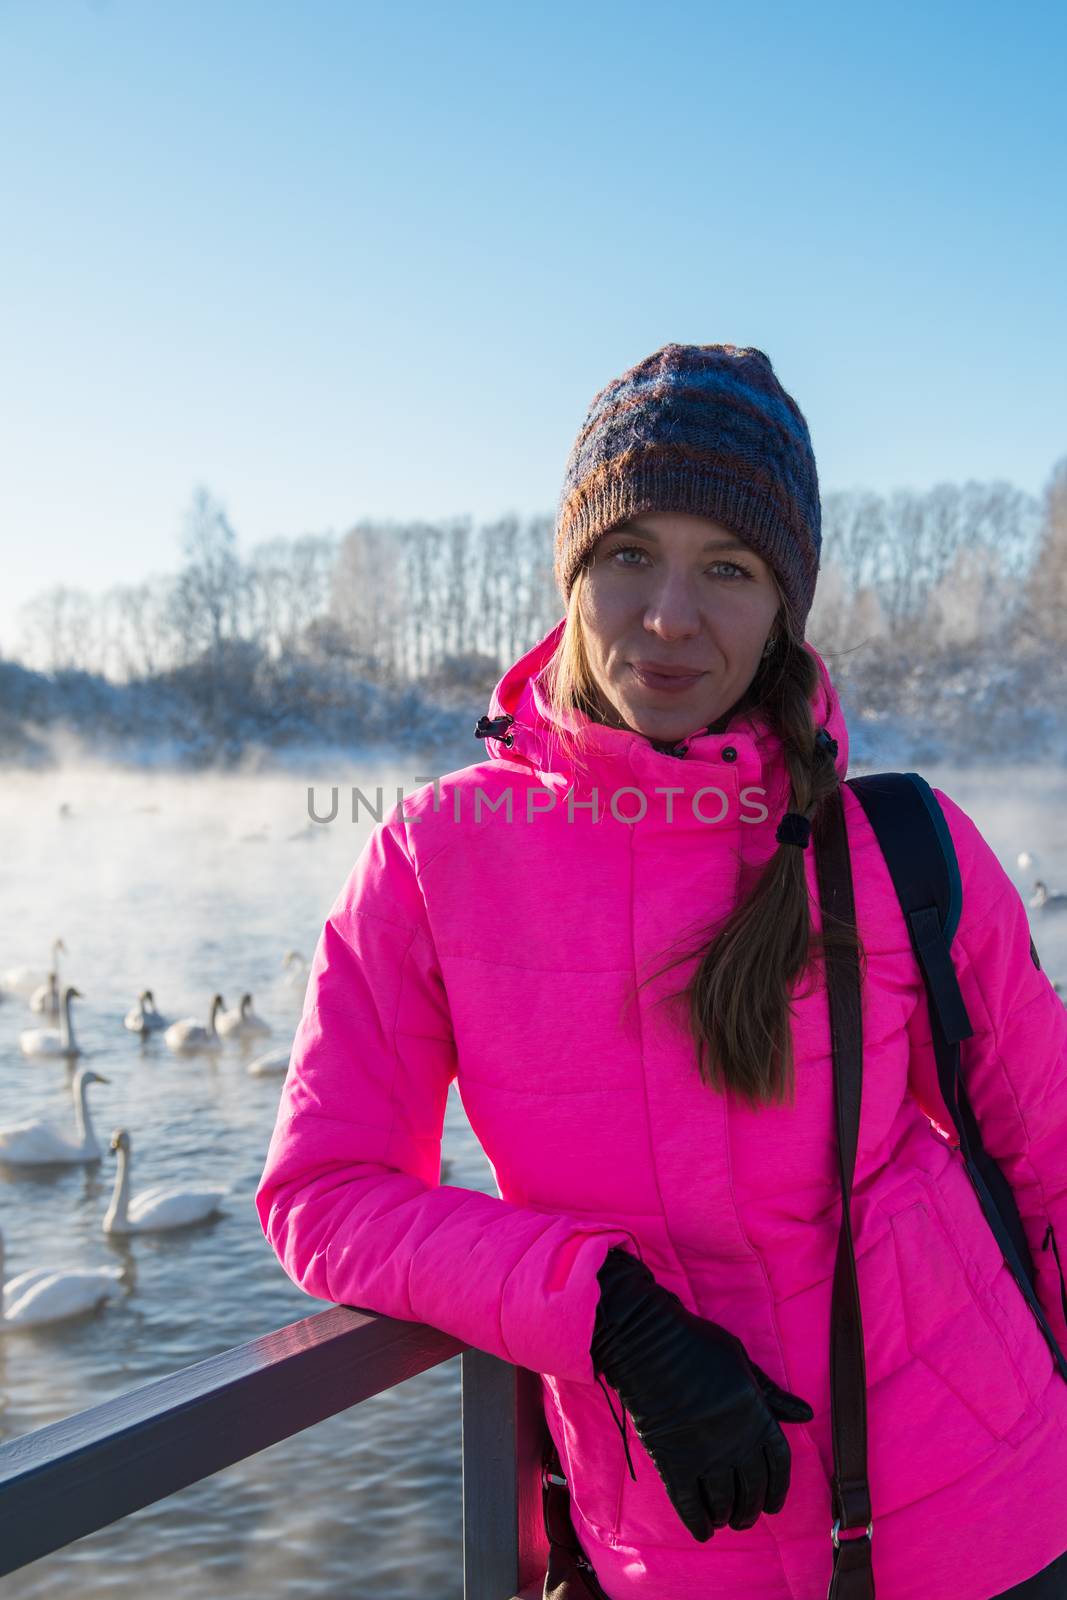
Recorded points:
(492, 934)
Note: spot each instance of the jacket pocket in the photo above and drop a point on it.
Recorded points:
(947, 1326)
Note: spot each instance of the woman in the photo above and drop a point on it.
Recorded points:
(608, 935)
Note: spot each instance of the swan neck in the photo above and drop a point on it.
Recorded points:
(86, 1136)
(68, 1026)
(120, 1196)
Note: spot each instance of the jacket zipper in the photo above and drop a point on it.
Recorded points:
(1050, 1237)
(577, 1555)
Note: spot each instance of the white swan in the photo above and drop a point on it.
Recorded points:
(134, 1020)
(1041, 900)
(189, 1035)
(275, 1062)
(38, 1143)
(54, 1041)
(155, 1019)
(164, 1206)
(143, 1017)
(1026, 859)
(242, 1023)
(24, 980)
(296, 969)
(46, 998)
(50, 1294)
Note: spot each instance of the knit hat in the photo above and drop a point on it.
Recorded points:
(703, 428)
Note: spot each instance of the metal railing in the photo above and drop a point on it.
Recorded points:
(89, 1470)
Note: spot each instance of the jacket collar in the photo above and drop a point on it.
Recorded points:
(535, 728)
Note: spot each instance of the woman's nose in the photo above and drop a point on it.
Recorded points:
(672, 611)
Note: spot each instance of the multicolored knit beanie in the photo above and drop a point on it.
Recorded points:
(703, 428)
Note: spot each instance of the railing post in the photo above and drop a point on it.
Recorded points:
(504, 1547)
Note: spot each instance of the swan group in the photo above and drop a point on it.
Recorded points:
(45, 1295)
(52, 1294)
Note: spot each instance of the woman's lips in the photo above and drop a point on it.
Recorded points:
(670, 683)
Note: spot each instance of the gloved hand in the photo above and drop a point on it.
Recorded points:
(706, 1413)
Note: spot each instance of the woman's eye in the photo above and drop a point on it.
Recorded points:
(736, 571)
(627, 550)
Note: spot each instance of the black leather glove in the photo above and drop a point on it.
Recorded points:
(706, 1414)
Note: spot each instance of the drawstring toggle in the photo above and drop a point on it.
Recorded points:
(495, 728)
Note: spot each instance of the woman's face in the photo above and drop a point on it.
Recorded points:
(678, 592)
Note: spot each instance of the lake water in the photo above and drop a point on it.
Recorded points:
(187, 885)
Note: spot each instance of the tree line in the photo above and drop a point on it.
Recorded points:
(969, 574)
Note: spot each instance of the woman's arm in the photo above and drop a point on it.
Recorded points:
(1015, 1066)
(350, 1197)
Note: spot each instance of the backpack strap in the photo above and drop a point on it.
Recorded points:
(915, 839)
(852, 1575)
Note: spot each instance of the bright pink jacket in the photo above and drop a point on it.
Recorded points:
(502, 952)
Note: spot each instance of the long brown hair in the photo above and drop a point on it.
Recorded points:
(739, 998)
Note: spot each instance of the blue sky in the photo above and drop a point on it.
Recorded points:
(335, 260)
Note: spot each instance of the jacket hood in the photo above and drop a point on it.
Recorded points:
(534, 731)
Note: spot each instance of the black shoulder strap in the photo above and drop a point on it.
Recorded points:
(915, 840)
(852, 1576)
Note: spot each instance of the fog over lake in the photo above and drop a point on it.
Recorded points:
(190, 885)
